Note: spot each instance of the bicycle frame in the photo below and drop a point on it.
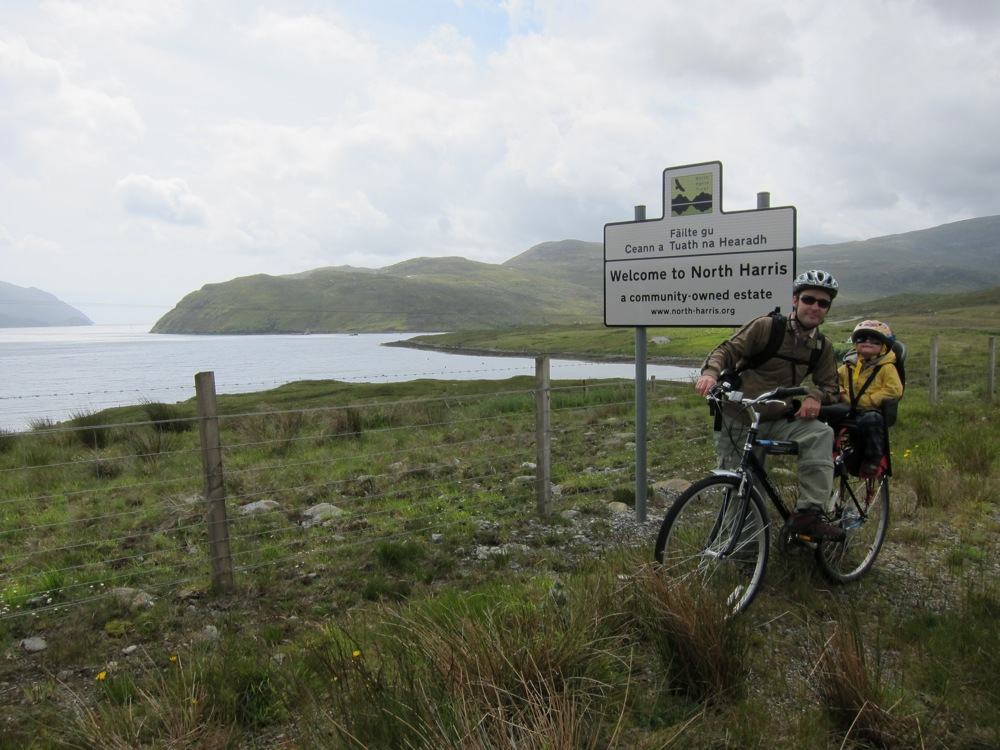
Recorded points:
(751, 470)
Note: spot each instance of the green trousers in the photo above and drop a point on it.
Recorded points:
(815, 441)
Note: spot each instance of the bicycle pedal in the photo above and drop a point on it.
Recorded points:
(805, 540)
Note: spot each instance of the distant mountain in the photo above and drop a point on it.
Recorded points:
(423, 294)
(554, 282)
(956, 257)
(25, 307)
(572, 260)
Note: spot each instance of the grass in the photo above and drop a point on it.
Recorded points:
(565, 639)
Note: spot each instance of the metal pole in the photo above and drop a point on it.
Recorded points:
(543, 437)
(763, 200)
(934, 371)
(991, 373)
(640, 408)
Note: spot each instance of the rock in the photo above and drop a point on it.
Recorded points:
(129, 650)
(529, 466)
(33, 645)
(619, 508)
(261, 506)
(437, 538)
(556, 490)
(570, 515)
(670, 487)
(208, 634)
(660, 339)
(134, 599)
(320, 514)
(522, 480)
(484, 552)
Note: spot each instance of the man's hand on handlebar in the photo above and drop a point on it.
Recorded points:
(809, 409)
(704, 384)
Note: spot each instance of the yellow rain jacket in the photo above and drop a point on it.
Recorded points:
(886, 384)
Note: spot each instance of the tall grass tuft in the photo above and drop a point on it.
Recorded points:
(106, 467)
(705, 650)
(91, 429)
(850, 689)
(163, 707)
(468, 672)
(342, 423)
(279, 430)
(931, 482)
(167, 417)
(149, 444)
(8, 438)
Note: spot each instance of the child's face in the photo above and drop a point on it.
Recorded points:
(868, 347)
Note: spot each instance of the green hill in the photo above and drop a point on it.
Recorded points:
(423, 294)
(552, 283)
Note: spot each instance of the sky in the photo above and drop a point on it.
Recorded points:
(150, 147)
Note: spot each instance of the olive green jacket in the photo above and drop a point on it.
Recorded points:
(776, 372)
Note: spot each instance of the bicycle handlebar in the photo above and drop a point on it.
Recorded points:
(724, 392)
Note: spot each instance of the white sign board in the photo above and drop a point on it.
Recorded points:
(697, 265)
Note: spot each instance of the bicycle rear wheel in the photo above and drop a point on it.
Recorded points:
(863, 512)
(698, 530)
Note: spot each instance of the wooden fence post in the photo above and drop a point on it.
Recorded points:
(543, 436)
(215, 489)
(991, 373)
(652, 384)
(933, 390)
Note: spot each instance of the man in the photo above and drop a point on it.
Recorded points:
(802, 350)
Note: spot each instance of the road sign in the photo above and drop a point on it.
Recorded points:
(698, 265)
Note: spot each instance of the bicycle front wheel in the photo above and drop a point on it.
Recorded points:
(863, 513)
(696, 543)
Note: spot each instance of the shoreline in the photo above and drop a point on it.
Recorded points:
(577, 356)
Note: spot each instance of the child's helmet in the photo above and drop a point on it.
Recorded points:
(875, 328)
(816, 279)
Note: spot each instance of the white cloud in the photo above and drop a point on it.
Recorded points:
(53, 116)
(314, 136)
(324, 40)
(169, 200)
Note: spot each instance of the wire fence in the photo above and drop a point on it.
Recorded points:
(118, 512)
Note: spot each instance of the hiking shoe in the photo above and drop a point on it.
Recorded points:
(810, 522)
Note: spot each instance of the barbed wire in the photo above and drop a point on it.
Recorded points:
(485, 477)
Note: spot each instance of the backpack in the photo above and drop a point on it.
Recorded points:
(770, 350)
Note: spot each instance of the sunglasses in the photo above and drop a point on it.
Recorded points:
(808, 299)
(867, 340)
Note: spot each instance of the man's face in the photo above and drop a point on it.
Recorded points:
(811, 307)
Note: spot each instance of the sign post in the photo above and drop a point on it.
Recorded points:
(696, 265)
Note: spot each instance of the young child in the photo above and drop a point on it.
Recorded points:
(866, 380)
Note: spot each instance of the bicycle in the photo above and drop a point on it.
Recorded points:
(718, 530)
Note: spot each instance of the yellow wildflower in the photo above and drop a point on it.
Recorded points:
(356, 653)
(102, 675)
